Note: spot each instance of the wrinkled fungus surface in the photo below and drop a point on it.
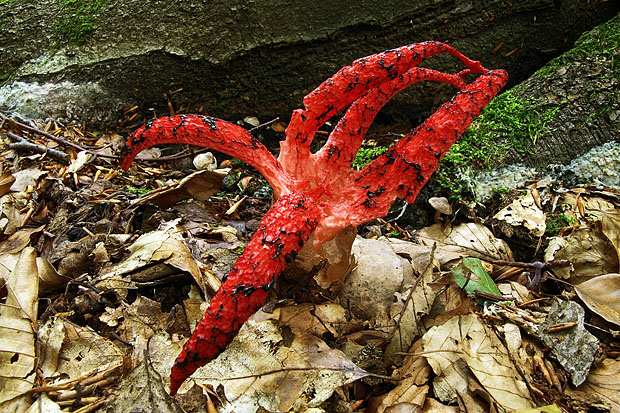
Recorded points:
(319, 192)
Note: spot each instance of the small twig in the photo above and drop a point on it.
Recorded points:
(56, 138)
(492, 297)
(21, 143)
(290, 369)
(263, 125)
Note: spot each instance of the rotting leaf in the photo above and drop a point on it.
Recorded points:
(463, 346)
(522, 217)
(589, 251)
(199, 185)
(478, 279)
(18, 315)
(452, 243)
(276, 370)
(143, 387)
(603, 382)
(602, 295)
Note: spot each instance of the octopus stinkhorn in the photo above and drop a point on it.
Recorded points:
(319, 192)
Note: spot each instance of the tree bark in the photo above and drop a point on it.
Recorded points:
(236, 58)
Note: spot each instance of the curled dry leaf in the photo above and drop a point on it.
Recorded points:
(143, 387)
(452, 243)
(603, 382)
(265, 368)
(200, 186)
(602, 295)
(316, 320)
(589, 252)
(523, 217)
(463, 346)
(153, 255)
(18, 241)
(18, 318)
(413, 388)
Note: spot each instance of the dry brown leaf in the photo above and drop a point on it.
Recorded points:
(18, 318)
(464, 345)
(433, 406)
(610, 225)
(409, 307)
(6, 180)
(328, 315)
(589, 251)
(602, 295)
(200, 186)
(141, 319)
(452, 243)
(266, 368)
(333, 261)
(51, 335)
(368, 291)
(26, 178)
(154, 255)
(13, 212)
(143, 387)
(48, 277)
(522, 217)
(413, 389)
(84, 351)
(604, 382)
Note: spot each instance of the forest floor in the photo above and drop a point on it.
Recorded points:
(105, 274)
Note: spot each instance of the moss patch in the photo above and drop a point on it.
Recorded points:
(509, 123)
(78, 19)
(365, 155)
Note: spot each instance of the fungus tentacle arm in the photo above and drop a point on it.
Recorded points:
(349, 84)
(281, 233)
(346, 139)
(403, 170)
(210, 133)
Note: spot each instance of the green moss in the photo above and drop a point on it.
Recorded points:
(365, 155)
(555, 222)
(603, 40)
(7, 77)
(509, 123)
(77, 19)
(134, 190)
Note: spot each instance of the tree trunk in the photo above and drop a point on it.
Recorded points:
(236, 58)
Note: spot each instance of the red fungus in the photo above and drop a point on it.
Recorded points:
(320, 192)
